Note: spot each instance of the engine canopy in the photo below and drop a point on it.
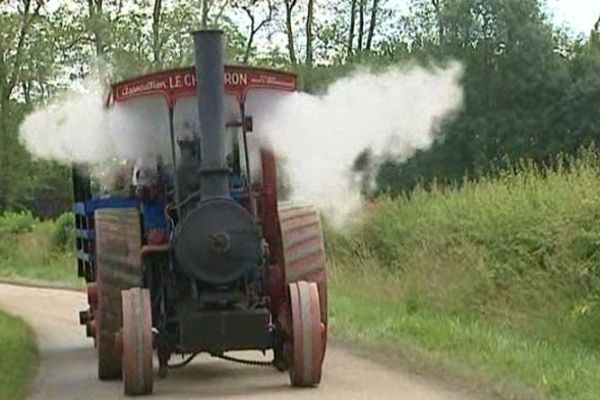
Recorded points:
(217, 242)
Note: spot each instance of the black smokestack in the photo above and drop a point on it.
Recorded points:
(208, 45)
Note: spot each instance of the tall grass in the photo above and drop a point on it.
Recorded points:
(18, 358)
(511, 259)
(37, 251)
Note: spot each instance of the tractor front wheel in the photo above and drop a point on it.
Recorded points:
(136, 341)
(307, 346)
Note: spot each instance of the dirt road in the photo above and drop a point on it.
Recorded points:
(67, 369)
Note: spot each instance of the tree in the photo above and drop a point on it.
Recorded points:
(530, 91)
(205, 8)
(437, 6)
(517, 89)
(97, 24)
(289, 8)
(372, 24)
(51, 41)
(350, 47)
(12, 57)
(361, 25)
(309, 34)
(51, 50)
(252, 9)
(156, 44)
(217, 7)
(366, 28)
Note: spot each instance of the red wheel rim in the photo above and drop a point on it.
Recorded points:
(137, 342)
(307, 342)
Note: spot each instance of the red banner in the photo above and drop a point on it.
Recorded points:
(178, 83)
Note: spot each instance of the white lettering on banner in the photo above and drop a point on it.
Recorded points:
(236, 78)
(175, 82)
(132, 90)
(189, 80)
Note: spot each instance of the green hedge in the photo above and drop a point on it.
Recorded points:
(35, 250)
(515, 257)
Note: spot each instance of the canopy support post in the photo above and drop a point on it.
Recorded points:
(174, 159)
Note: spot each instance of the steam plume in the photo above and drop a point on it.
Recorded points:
(77, 127)
(392, 114)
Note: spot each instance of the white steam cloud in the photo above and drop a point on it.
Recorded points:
(393, 114)
(78, 127)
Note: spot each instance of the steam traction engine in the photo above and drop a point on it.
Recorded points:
(199, 257)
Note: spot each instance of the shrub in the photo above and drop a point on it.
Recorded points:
(17, 222)
(63, 236)
(522, 247)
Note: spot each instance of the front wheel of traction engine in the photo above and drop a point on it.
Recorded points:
(136, 340)
(307, 346)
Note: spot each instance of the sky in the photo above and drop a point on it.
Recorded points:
(578, 16)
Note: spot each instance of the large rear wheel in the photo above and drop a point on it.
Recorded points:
(137, 342)
(307, 346)
(118, 267)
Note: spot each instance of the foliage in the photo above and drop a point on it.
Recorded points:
(64, 235)
(17, 222)
(500, 274)
(530, 90)
(37, 251)
(19, 357)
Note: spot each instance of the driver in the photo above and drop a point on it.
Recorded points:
(149, 187)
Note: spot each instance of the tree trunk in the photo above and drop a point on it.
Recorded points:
(204, 12)
(4, 154)
(372, 24)
(249, 47)
(3, 129)
(42, 91)
(351, 30)
(440, 21)
(95, 12)
(597, 26)
(309, 33)
(361, 25)
(26, 87)
(250, 36)
(289, 7)
(156, 45)
(219, 14)
(255, 28)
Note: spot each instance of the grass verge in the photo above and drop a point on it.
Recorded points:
(491, 359)
(18, 358)
(500, 277)
(37, 252)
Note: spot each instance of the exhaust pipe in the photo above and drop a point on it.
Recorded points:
(210, 87)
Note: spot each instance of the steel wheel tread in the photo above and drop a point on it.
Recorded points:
(137, 342)
(307, 343)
